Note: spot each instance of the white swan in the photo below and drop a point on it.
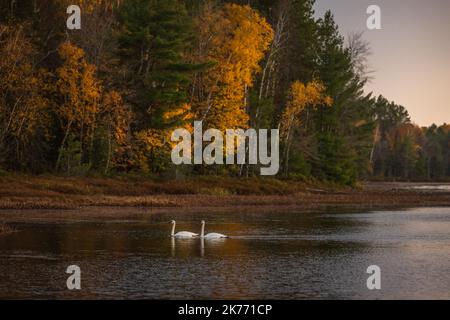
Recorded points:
(210, 235)
(181, 234)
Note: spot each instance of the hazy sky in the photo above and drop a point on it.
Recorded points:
(411, 54)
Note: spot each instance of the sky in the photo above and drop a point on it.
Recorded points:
(410, 54)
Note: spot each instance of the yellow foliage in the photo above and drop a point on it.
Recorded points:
(90, 5)
(151, 138)
(182, 114)
(23, 106)
(153, 145)
(236, 38)
(78, 87)
(301, 96)
(117, 116)
(79, 94)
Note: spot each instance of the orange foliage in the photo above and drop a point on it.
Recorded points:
(23, 107)
(301, 96)
(180, 115)
(117, 116)
(236, 39)
(153, 146)
(78, 87)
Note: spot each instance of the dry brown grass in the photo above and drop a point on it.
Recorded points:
(50, 192)
(134, 186)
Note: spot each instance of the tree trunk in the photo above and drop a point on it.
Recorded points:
(58, 162)
(108, 159)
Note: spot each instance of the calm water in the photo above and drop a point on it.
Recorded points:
(270, 255)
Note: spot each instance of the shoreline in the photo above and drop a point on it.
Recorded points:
(23, 193)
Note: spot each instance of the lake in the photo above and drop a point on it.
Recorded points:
(289, 255)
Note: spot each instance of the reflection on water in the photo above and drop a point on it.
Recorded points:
(184, 244)
(433, 187)
(292, 255)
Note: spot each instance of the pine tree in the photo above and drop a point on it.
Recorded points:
(344, 131)
(154, 38)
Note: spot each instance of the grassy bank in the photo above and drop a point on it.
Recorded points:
(140, 186)
(51, 192)
(54, 192)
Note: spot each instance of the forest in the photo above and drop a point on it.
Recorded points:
(105, 99)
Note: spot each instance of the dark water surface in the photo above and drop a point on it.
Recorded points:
(269, 256)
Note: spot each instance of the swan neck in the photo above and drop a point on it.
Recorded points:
(173, 229)
(202, 234)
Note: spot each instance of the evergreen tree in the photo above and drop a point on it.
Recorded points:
(343, 131)
(154, 38)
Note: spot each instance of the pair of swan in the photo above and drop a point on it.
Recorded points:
(189, 235)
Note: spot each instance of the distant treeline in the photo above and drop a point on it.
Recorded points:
(106, 98)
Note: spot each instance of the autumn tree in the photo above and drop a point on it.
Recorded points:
(154, 39)
(24, 116)
(106, 98)
(79, 94)
(388, 116)
(113, 133)
(404, 146)
(300, 96)
(235, 38)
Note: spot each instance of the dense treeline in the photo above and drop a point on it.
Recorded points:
(106, 98)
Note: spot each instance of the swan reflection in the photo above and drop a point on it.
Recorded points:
(186, 247)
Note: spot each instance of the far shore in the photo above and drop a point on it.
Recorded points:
(20, 193)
